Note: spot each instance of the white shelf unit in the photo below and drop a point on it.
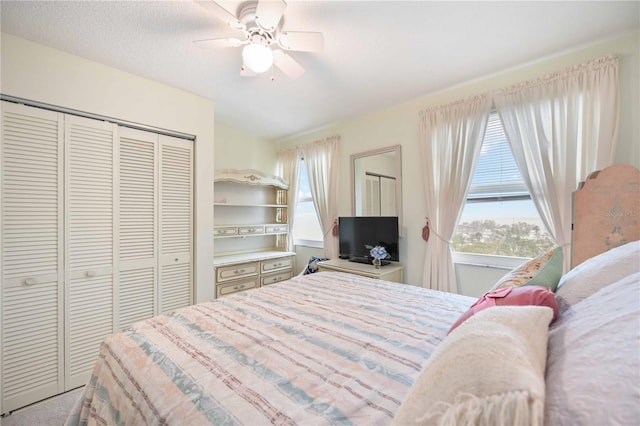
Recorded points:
(250, 231)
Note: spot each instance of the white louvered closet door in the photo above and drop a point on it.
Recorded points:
(176, 223)
(31, 267)
(90, 243)
(138, 234)
(97, 225)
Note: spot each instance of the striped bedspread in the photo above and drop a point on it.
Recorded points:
(326, 348)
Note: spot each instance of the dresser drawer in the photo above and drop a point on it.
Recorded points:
(225, 231)
(276, 264)
(250, 230)
(236, 286)
(232, 272)
(275, 278)
(276, 229)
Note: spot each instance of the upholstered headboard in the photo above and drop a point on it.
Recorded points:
(606, 212)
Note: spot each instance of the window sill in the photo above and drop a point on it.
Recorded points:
(488, 260)
(309, 243)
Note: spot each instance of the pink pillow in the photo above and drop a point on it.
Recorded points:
(512, 296)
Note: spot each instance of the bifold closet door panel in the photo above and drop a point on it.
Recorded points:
(156, 215)
(31, 268)
(97, 225)
(176, 223)
(138, 236)
(90, 242)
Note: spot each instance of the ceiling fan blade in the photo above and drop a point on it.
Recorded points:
(269, 13)
(301, 41)
(246, 72)
(223, 14)
(287, 64)
(219, 42)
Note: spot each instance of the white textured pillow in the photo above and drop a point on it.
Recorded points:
(593, 365)
(598, 272)
(488, 371)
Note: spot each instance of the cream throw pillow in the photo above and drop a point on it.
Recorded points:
(488, 371)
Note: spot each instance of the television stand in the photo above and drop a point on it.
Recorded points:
(391, 272)
(367, 260)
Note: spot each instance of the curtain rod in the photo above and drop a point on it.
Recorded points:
(117, 121)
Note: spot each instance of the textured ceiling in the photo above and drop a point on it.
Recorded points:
(377, 53)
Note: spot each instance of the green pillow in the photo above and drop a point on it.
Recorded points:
(544, 270)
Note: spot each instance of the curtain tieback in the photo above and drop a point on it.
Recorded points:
(427, 230)
(333, 229)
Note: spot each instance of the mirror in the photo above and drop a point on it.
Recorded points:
(376, 181)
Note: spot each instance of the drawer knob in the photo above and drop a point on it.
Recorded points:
(29, 281)
(90, 273)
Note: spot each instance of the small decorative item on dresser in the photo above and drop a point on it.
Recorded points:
(376, 263)
(378, 253)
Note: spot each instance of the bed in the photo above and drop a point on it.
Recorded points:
(326, 348)
(336, 348)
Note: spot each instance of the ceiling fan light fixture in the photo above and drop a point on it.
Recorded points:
(257, 57)
(262, 38)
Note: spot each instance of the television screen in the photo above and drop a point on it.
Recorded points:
(357, 235)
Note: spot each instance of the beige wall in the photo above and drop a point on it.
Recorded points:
(42, 74)
(239, 149)
(399, 125)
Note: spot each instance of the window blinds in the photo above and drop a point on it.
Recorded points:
(496, 176)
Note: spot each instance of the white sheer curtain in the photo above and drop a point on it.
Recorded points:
(450, 141)
(562, 127)
(289, 169)
(323, 165)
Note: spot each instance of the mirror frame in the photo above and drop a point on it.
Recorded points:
(397, 149)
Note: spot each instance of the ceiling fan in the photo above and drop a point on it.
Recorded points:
(259, 30)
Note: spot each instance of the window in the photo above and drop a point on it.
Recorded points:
(499, 217)
(306, 226)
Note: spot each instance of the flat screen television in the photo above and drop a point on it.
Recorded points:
(357, 234)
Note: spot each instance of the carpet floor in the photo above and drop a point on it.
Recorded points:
(50, 412)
